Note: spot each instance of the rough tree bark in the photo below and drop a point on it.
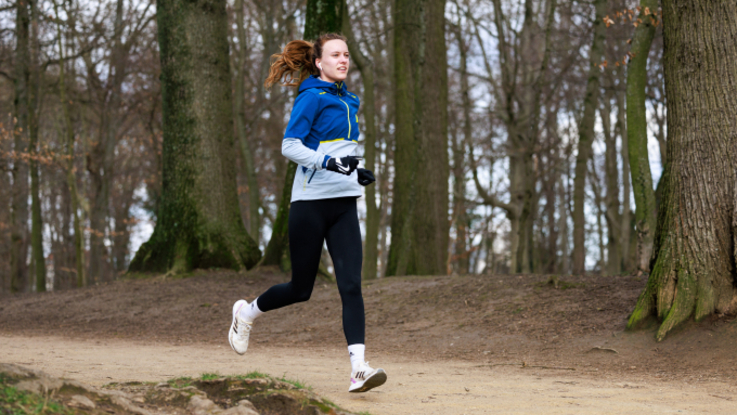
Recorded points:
(693, 263)
(199, 223)
(420, 227)
(642, 181)
(322, 16)
(586, 137)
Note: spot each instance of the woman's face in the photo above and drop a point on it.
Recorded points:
(334, 62)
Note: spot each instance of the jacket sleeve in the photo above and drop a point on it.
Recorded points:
(294, 149)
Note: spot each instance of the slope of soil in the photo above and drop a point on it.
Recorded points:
(566, 323)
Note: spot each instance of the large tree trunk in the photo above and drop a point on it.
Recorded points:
(642, 181)
(420, 228)
(322, 16)
(199, 223)
(693, 264)
(586, 138)
(365, 66)
(19, 204)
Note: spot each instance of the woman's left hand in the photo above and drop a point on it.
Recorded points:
(365, 177)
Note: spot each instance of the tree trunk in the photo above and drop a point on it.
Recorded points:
(199, 223)
(81, 279)
(586, 138)
(254, 199)
(611, 200)
(19, 203)
(626, 217)
(642, 181)
(693, 264)
(420, 228)
(563, 226)
(122, 231)
(101, 162)
(37, 253)
(365, 66)
(322, 16)
(462, 263)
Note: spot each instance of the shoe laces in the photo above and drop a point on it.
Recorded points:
(243, 328)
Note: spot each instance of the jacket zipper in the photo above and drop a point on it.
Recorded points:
(349, 118)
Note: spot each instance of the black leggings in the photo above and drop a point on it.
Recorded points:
(310, 223)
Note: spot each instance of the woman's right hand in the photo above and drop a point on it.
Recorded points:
(343, 165)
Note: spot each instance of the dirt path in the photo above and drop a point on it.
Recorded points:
(414, 387)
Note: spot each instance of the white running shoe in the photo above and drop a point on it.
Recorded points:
(240, 330)
(366, 378)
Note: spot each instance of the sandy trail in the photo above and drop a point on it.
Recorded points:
(413, 387)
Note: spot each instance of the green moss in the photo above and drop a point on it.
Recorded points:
(209, 376)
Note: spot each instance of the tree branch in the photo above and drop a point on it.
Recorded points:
(489, 199)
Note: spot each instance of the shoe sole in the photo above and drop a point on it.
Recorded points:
(378, 379)
(232, 323)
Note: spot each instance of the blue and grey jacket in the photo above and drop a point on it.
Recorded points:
(323, 124)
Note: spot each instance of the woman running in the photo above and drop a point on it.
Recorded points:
(321, 138)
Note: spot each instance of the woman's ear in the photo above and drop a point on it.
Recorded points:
(318, 65)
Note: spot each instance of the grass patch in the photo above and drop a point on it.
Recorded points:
(253, 375)
(210, 376)
(15, 402)
(182, 382)
(295, 383)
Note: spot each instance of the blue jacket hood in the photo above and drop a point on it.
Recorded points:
(314, 81)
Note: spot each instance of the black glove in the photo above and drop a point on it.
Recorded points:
(365, 177)
(344, 165)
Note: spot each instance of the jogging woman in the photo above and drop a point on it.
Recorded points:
(321, 138)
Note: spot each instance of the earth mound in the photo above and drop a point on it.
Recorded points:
(27, 391)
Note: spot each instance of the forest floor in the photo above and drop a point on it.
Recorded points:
(460, 344)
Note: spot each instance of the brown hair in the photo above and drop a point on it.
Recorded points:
(297, 61)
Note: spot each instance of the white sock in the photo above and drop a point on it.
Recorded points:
(356, 352)
(250, 312)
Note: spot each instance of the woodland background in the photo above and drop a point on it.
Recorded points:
(536, 109)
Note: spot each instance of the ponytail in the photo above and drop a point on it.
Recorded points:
(297, 61)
